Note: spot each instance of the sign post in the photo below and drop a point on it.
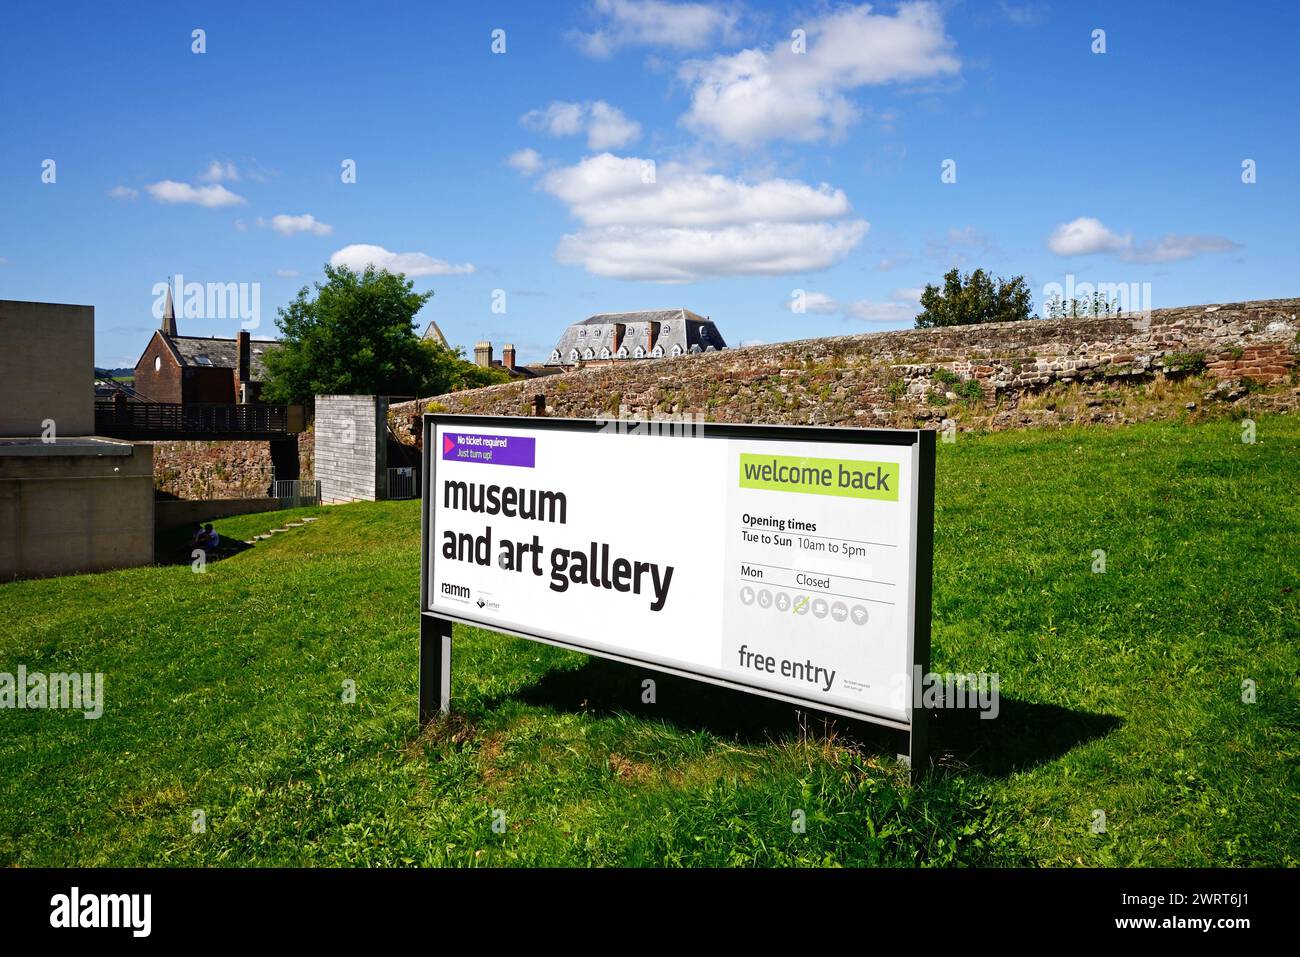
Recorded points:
(789, 562)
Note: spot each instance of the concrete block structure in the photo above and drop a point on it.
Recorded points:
(351, 447)
(47, 362)
(74, 505)
(69, 501)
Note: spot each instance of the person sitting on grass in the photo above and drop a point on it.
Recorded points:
(211, 539)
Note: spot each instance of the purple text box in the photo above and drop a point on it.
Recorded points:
(489, 449)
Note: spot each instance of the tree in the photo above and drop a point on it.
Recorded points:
(975, 297)
(356, 335)
(453, 372)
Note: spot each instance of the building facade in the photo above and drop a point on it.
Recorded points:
(618, 336)
(200, 369)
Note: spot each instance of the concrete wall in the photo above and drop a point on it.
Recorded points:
(173, 514)
(351, 447)
(47, 367)
(74, 508)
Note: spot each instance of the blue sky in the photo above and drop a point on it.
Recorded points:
(628, 154)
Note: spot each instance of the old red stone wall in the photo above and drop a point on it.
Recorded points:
(198, 470)
(894, 378)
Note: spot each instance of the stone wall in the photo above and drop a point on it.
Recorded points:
(351, 447)
(221, 470)
(901, 378)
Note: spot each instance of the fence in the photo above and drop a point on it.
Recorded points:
(294, 493)
(404, 483)
(164, 420)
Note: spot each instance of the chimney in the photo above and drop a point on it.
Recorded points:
(483, 354)
(508, 356)
(244, 346)
(652, 334)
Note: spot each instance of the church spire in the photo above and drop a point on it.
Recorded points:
(169, 312)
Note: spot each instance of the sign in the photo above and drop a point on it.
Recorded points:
(789, 562)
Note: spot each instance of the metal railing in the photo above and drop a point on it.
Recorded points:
(295, 493)
(142, 420)
(403, 483)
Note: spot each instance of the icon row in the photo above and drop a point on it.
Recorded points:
(802, 604)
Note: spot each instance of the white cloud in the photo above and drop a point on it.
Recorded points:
(606, 126)
(170, 191)
(287, 273)
(958, 247)
(672, 223)
(558, 119)
(123, 192)
(815, 302)
(1173, 248)
(893, 261)
(608, 190)
(679, 26)
(901, 307)
(218, 171)
(1024, 15)
(757, 95)
(359, 255)
(669, 254)
(288, 225)
(527, 161)
(1086, 235)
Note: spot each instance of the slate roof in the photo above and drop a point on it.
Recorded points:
(627, 335)
(221, 353)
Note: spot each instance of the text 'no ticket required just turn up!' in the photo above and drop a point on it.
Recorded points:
(789, 562)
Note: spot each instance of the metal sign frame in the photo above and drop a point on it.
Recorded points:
(436, 626)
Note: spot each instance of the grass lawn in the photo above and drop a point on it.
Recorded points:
(1121, 693)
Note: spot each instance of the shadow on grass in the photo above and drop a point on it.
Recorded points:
(172, 547)
(1023, 735)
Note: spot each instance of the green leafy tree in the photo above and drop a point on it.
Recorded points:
(356, 335)
(454, 372)
(975, 297)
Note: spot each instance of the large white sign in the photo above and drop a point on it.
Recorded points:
(780, 560)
